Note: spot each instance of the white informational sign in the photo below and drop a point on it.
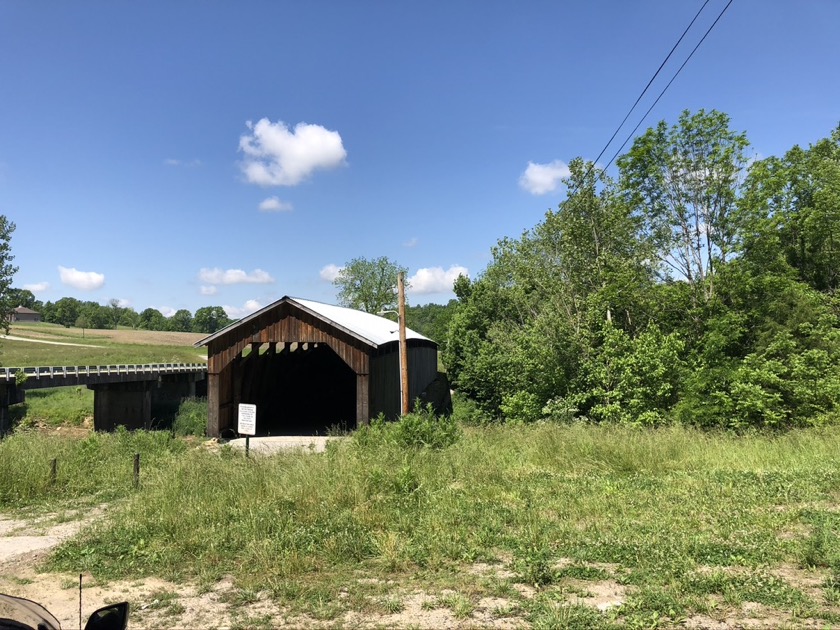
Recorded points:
(247, 419)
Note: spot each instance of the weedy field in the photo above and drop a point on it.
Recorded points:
(428, 524)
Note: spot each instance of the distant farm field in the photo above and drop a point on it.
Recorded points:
(54, 345)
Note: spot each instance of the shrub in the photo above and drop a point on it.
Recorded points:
(419, 429)
(191, 418)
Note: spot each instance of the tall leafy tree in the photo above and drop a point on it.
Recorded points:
(209, 319)
(684, 181)
(181, 321)
(793, 204)
(369, 285)
(66, 311)
(7, 271)
(152, 319)
(116, 312)
(523, 327)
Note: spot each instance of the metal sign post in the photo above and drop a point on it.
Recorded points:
(247, 423)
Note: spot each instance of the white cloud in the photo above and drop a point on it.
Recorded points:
(330, 272)
(412, 242)
(276, 156)
(37, 287)
(166, 311)
(273, 204)
(123, 303)
(208, 289)
(177, 162)
(249, 307)
(234, 276)
(82, 280)
(539, 179)
(435, 279)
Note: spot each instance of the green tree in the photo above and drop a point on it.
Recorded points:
(431, 320)
(152, 319)
(22, 297)
(522, 330)
(793, 205)
(116, 312)
(97, 315)
(130, 318)
(181, 321)
(684, 181)
(66, 311)
(209, 319)
(369, 285)
(7, 271)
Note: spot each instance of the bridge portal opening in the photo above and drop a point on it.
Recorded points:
(299, 389)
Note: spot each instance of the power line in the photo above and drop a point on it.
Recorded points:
(655, 74)
(662, 93)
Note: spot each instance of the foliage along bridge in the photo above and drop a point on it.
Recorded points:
(129, 395)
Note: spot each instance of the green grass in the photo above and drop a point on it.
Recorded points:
(688, 523)
(67, 406)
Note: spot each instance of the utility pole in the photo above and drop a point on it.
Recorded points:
(404, 394)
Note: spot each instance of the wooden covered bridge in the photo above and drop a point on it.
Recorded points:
(308, 366)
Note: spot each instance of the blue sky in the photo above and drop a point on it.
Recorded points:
(187, 154)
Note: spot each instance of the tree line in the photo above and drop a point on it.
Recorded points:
(695, 287)
(69, 311)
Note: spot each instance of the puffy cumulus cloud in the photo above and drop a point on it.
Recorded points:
(278, 156)
(539, 179)
(37, 287)
(235, 312)
(123, 303)
(82, 280)
(330, 272)
(273, 204)
(166, 311)
(435, 279)
(208, 289)
(233, 276)
(412, 242)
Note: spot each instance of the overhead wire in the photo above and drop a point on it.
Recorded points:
(652, 79)
(662, 93)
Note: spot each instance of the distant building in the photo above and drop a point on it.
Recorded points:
(23, 314)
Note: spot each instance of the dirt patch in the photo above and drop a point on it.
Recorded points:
(601, 595)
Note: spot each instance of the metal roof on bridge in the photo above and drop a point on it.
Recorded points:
(372, 329)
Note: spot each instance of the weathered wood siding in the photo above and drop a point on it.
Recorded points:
(282, 325)
(376, 369)
(286, 324)
(385, 375)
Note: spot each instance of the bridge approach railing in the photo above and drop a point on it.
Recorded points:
(11, 374)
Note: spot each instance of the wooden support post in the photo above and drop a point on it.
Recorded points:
(53, 471)
(213, 428)
(136, 470)
(404, 393)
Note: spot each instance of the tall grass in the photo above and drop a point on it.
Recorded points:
(676, 515)
(98, 467)
(661, 503)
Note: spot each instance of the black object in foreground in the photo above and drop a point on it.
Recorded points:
(17, 613)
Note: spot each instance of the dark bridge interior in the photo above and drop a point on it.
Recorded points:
(303, 390)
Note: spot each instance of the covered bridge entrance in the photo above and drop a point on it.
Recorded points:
(308, 366)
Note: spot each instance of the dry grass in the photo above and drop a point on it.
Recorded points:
(96, 347)
(54, 332)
